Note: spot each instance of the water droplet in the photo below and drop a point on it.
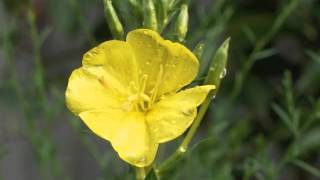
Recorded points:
(213, 97)
(224, 73)
(182, 149)
(148, 63)
(211, 69)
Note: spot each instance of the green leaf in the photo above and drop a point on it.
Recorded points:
(283, 116)
(265, 54)
(250, 34)
(310, 140)
(312, 170)
(313, 55)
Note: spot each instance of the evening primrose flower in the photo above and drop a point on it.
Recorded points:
(129, 93)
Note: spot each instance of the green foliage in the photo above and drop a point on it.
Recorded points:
(263, 124)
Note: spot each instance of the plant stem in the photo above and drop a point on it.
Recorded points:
(140, 173)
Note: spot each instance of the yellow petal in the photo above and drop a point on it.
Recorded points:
(116, 57)
(127, 133)
(155, 55)
(171, 116)
(92, 88)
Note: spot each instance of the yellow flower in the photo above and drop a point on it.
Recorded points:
(127, 92)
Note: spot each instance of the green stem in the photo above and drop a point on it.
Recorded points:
(140, 173)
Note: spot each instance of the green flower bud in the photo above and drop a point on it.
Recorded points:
(163, 13)
(113, 20)
(182, 23)
(149, 15)
(217, 69)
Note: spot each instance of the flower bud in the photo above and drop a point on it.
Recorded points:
(113, 20)
(182, 23)
(149, 15)
(217, 69)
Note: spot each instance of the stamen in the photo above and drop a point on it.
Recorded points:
(133, 98)
(145, 97)
(133, 87)
(143, 83)
(138, 98)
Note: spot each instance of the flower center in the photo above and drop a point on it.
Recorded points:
(140, 100)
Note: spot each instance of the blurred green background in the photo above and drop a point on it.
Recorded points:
(264, 123)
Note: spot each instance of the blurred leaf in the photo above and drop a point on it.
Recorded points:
(310, 141)
(44, 34)
(312, 170)
(283, 116)
(265, 54)
(313, 55)
(312, 116)
(203, 144)
(250, 34)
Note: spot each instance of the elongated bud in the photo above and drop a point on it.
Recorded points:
(217, 69)
(113, 20)
(149, 15)
(182, 23)
(163, 13)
